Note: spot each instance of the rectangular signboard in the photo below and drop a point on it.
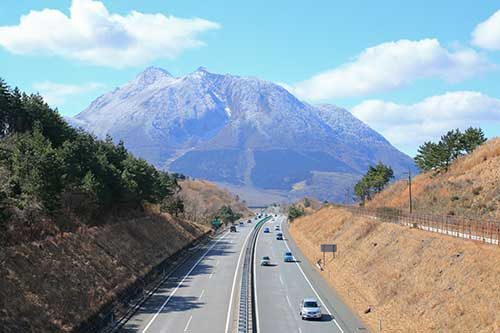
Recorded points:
(328, 247)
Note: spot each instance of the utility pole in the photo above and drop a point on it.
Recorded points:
(409, 189)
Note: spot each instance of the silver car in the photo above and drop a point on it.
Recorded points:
(310, 309)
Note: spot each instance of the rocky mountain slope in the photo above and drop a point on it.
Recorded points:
(240, 131)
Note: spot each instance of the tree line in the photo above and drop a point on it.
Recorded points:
(52, 166)
(438, 156)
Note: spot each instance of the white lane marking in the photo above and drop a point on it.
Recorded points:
(281, 279)
(234, 282)
(300, 331)
(202, 292)
(189, 322)
(314, 290)
(211, 274)
(183, 279)
(288, 301)
(216, 263)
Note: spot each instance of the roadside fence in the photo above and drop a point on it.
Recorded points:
(483, 230)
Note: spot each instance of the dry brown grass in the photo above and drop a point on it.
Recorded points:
(414, 281)
(470, 188)
(202, 199)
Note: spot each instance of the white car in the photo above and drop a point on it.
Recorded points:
(310, 309)
(277, 228)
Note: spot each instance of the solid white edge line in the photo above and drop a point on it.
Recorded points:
(234, 282)
(184, 278)
(314, 290)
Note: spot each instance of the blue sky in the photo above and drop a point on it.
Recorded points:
(410, 71)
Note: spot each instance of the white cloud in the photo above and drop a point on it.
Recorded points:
(409, 125)
(56, 94)
(392, 65)
(91, 34)
(487, 33)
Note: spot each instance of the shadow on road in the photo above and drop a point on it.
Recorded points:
(179, 303)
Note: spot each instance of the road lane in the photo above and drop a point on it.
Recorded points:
(282, 286)
(196, 297)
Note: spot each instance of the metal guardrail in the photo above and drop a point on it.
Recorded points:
(246, 315)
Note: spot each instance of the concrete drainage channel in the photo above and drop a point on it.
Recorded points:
(246, 316)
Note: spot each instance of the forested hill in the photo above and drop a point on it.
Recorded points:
(55, 178)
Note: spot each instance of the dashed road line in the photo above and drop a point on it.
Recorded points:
(182, 281)
(189, 322)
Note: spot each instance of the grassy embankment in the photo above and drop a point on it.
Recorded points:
(412, 280)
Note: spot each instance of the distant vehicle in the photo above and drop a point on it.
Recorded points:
(310, 309)
(241, 222)
(232, 228)
(279, 236)
(277, 228)
(249, 221)
(275, 215)
(265, 261)
(288, 257)
(266, 230)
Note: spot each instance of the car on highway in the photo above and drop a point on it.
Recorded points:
(279, 236)
(288, 257)
(241, 222)
(266, 230)
(265, 261)
(310, 309)
(232, 228)
(277, 228)
(249, 221)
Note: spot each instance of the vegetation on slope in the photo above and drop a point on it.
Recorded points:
(439, 156)
(56, 178)
(204, 201)
(374, 181)
(470, 187)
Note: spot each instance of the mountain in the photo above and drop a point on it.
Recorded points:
(243, 132)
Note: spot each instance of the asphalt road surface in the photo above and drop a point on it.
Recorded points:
(197, 297)
(202, 294)
(281, 286)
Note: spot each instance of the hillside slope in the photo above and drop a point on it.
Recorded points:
(202, 200)
(470, 188)
(60, 283)
(405, 280)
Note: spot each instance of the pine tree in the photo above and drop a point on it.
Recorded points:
(472, 138)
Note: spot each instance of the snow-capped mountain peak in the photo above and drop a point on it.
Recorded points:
(237, 130)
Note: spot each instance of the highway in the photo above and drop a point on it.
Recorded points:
(197, 296)
(202, 294)
(281, 286)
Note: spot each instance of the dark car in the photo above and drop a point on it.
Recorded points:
(279, 236)
(232, 228)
